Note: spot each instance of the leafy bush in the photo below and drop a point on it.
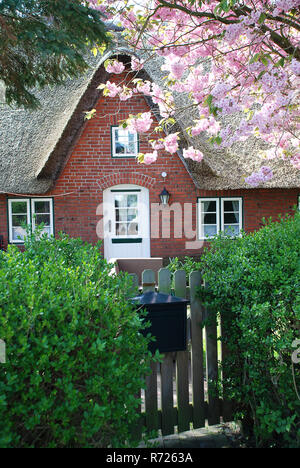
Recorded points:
(254, 281)
(75, 355)
(188, 264)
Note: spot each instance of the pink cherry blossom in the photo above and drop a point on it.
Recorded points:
(177, 69)
(223, 68)
(295, 161)
(233, 31)
(201, 126)
(254, 179)
(193, 154)
(263, 175)
(144, 87)
(157, 94)
(150, 158)
(171, 143)
(112, 90)
(285, 5)
(141, 124)
(157, 144)
(115, 67)
(128, 19)
(125, 94)
(295, 66)
(136, 64)
(220, 90)
(266, 172)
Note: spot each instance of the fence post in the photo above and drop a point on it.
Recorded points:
(135, 284)
(164, 281)
(182, 365)
(151, 406)
(212, 367)
(167, 403)
(197, 351)
(227, 406)
(148, 280)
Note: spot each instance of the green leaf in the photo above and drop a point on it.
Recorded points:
(254, 59)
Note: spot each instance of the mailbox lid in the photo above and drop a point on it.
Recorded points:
(155, 298)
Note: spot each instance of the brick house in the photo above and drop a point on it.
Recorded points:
(81, 177)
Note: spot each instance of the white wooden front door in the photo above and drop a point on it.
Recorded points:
(126, 222)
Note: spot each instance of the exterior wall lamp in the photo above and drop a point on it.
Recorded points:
(164, 197)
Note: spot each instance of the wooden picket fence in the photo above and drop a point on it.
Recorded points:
(182, 392)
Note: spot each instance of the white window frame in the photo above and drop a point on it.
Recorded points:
(200, 200)
(10, 214)
(220, 215)
(113, 143)
(50, 200)
(30, 216)
(238, 199)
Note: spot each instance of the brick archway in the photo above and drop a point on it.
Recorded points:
(118, 178)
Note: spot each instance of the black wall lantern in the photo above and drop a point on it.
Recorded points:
(164, 197)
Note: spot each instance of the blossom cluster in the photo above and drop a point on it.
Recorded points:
(257, 178)
(228, 60)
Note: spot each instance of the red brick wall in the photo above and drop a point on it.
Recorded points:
(90, 169)
(260, 203)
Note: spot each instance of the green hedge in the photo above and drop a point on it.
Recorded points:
(75, 356)
(255, 282)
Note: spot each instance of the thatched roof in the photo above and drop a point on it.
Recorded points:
(34, 146)
(28, 139)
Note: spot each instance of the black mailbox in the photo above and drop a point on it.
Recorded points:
(168, 316)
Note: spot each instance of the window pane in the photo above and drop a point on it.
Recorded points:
(42, 219)
(19, 207)
(132, 138)
(121, 229)
(47, 230)
(132, 214)
(209, 218)
(231, 218)
(119, 147)
(230, 205)
(133, 229)
(209, 206)
(124, 214)
(210, 231)
(42, 207)
(231, 230)
(132, 200)
(125, 142)
(120, 200)
(18, 220)
(121, 214)
(18, 233)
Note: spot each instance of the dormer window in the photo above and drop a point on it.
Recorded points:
(124, 143)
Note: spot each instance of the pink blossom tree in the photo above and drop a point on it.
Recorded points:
(229, 57)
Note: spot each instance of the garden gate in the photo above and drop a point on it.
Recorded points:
(183, 389)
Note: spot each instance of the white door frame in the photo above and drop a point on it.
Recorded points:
(126, 246)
